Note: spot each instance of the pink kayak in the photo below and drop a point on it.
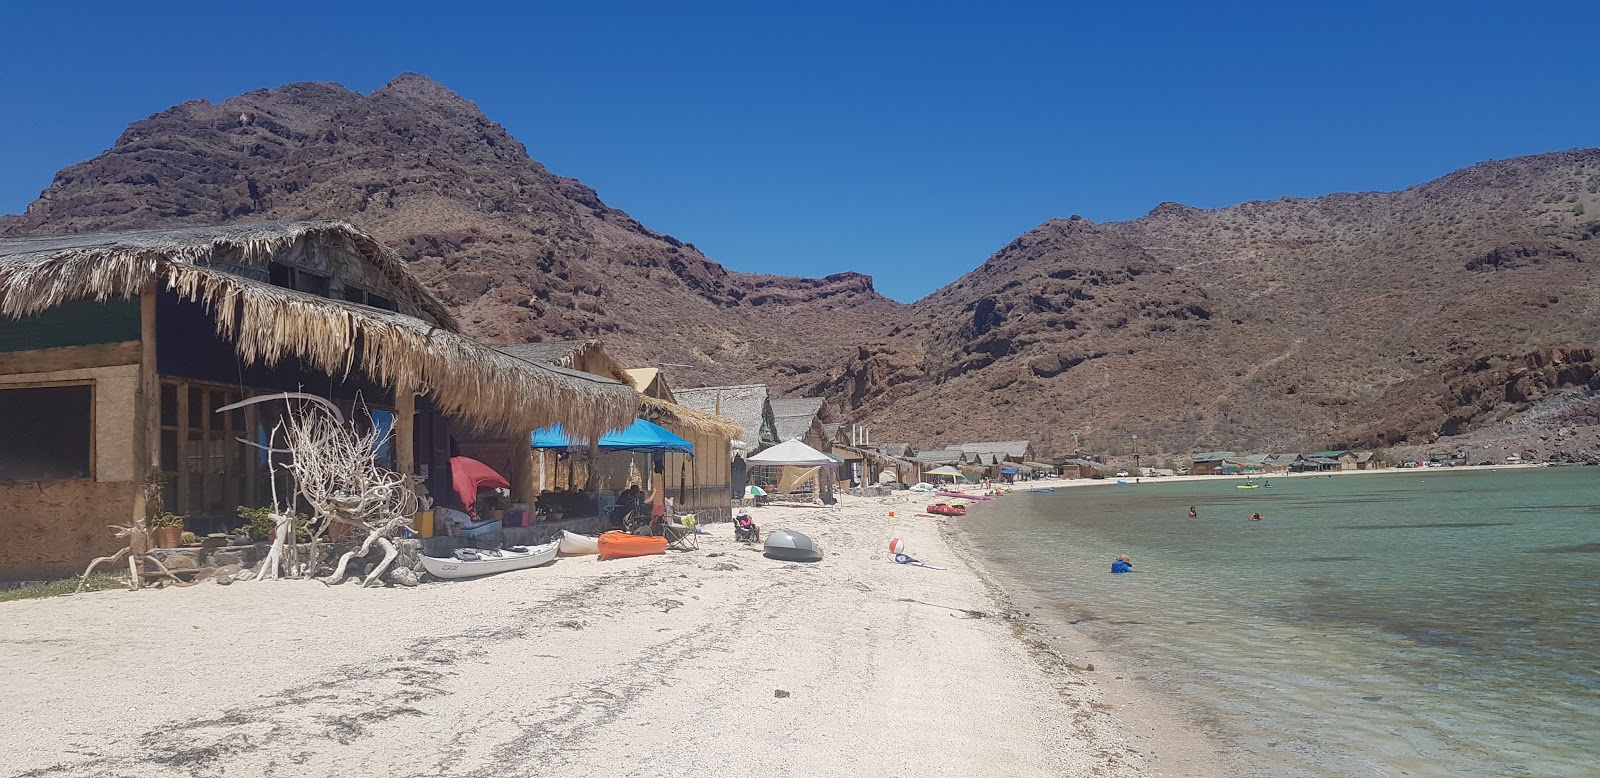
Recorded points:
(965, 496)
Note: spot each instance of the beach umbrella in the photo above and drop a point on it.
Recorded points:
(1008, 472)
(468, 476)
(754, 491)
(947, 471)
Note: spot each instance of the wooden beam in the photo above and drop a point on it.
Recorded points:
(51, 360)
(147, 404)
(520, 453)
(405, 430)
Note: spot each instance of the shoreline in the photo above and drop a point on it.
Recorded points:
(718, 661)
(1153, 723)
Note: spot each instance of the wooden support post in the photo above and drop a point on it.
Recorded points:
(520, 452)
(147, 408)
(405, 430)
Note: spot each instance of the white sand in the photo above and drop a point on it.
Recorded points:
(660, 666)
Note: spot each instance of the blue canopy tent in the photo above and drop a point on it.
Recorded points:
(642, 436)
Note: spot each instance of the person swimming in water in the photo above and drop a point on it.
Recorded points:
(1192, 514)
(1122, 565)
(1255, 517)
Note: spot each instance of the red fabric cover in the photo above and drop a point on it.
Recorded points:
(469, 475)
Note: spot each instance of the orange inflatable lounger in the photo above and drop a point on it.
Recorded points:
(616, 545)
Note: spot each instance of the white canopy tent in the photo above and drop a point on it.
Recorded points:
(792, 452)
(790, 467)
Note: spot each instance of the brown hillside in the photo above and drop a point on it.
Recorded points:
(520, 253)
(1293, 324)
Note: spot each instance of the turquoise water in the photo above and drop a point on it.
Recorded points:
(1435, 623)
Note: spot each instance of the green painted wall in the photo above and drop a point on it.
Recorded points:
(72, 324)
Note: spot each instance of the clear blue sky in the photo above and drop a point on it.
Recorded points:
(908, 141)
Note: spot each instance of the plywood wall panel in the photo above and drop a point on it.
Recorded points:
(53, 528)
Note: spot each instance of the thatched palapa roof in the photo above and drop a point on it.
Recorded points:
(795, 415)
(746, 405)
(267, 323)
(589, 356)
(672, 414)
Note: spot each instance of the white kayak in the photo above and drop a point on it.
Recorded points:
(573, 544)
(489, 562)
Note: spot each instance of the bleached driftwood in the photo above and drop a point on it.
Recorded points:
(336, 472)
(138, 548)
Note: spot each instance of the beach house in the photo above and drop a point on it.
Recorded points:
(120, 351)
(1210, 462)
(801, 418)
(749, 407)
(1336, 459)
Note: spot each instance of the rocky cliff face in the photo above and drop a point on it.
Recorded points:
(1293, 324)
(519, 252)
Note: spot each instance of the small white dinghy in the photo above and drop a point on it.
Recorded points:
(489, 562)
(573, 544)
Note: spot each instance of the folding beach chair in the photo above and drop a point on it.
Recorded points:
(679, 532)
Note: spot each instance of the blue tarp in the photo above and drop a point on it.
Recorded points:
(642, 436)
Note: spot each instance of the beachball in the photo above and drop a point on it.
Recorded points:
(897, 546)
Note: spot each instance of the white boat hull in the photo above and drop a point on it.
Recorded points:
(573, 544)
(489, 565)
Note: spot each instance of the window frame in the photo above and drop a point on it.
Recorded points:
(94, 425)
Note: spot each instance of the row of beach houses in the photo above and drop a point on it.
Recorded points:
(1228, 462)
(123, 354)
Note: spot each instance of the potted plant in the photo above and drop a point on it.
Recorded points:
(491, 506)
(167, 529)
(260, 527)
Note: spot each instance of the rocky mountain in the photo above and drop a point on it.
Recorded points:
(1380, 318)
(520, 253)
(1296, 324)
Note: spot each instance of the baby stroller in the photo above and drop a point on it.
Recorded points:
(745, 530)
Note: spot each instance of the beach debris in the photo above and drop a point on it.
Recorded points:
(138, 534)
(779, 693)
(336, 472)
(898, 555)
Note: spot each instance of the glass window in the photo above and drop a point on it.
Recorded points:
(49, 433)
(169, 405)
(197, 408)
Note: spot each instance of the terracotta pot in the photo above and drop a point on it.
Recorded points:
(168, 537)
(339, 532)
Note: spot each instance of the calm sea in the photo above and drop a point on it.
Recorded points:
(1425, 624)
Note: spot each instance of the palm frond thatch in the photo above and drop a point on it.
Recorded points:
(589, 356)
(671, 414)
(476, 384)
(219, 246)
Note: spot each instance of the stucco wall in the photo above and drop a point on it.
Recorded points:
(51, 529)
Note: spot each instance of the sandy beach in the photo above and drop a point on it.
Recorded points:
(667, 665)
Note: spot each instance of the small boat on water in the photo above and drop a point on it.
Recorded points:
(619, 545)
(473, 562)
(573, 544)
(946, 509)
(1248, 486)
